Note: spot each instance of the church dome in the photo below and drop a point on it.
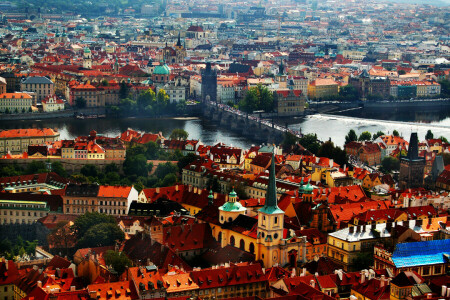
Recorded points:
(162, 69)
(232, 206)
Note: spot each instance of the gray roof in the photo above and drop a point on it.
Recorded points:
(37, 80)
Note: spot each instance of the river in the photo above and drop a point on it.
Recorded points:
(325, 126)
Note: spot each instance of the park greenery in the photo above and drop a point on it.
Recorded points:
(94, 229)
(18, 248)
(118, 261)
(147, 104)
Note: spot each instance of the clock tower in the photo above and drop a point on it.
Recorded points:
(270, 224)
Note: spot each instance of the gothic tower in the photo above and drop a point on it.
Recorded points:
(209, 83)
(412, 166)
(87, 58)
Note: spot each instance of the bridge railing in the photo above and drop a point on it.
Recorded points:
(255, 119)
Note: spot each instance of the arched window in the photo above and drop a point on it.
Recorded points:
(232, 241)
(242, 245)
(252, 248)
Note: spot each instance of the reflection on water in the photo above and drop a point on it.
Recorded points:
(325, 126)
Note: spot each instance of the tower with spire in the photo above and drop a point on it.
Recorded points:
(412, 166)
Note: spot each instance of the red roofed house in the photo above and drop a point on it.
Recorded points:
(111, 197)
(17, 140)
(52, 103)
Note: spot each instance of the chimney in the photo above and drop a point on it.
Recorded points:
(195, 190)
(444, 291)
(363, 276)
(176, 188)
(190, 188)
(157, 190)
(312, 283)
(429, 295)
(39, 283)
(351, 229)
(199, 191)
(72, 288)
(215, 195)
(382, 281)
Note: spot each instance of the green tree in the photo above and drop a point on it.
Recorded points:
(89, 170)
(146, 99)
(429, 135)
(289, 141)
(365, 136)
(84, 222)
(257, 98)
(103, 234)
(443, 139)
(36, 167)
(390, 164)
(105, 82)
(80, 102)
(112, 167)
(164, 169)
(58, 168)
(118, 260)
(378, 134)
(179, 134)
(162, 99)
(310, 142)
(351, 136)
(169, 180)
(445, 88)
(395, 133)
(186, 160)
(348, 93)
(135, 165)
(124, 90)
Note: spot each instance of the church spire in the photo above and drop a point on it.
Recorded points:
(270, 206)
(179, 40)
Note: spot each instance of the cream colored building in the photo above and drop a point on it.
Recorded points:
(22, 212)
(15, 102)
(52, 103)
(17, 140)
(42, 86)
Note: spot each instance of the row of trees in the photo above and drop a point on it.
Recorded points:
(18, 248)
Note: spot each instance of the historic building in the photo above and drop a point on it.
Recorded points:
(209, 83)
(161, 74)
(379, 87)
(263, 235)
(412, 166)
(176, 54)
(17, 141)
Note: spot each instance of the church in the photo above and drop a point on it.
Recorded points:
(176, 54)
(263, 235)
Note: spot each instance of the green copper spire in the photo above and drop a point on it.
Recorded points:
(270, 206)
(211, 198)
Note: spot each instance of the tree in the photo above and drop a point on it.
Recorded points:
(289, 141)
(124, 90)
(146, 99)
(429, 135)
(80, 102)
(401, 72)
(348, 93)
(36, 167)
(135, 165)
(112, 167)
(186, 160)
(351, 136)
(390, 164)
(257, 98)
(58, 168)
(377, 135)
(310, 142)
(443, 139)
(89, 170)
(395, 133)
(169, 180)
(365, 136)
(179, 134)
(118, 260)
(100, 235)
(164, 169)
(213, 184)
(84, 222)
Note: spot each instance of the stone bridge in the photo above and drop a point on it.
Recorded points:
(244, 124)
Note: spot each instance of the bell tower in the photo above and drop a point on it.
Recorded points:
(270, 223)
(231, 209)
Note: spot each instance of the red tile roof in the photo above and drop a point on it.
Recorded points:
(109, 191)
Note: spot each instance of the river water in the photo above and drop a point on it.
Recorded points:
(325, 126)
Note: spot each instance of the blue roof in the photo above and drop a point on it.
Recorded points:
(421, 253)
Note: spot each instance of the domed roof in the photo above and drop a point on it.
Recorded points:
(162, 69)
(232, 206)
(87, 50)
(306, 189)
